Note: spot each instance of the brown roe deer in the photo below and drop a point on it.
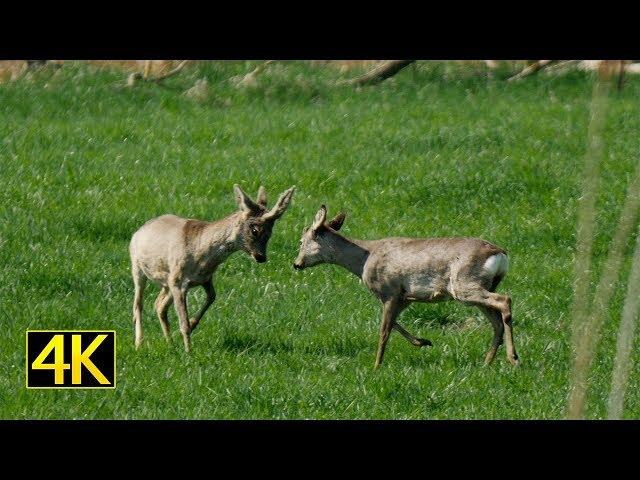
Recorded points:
(403, 270)
(179, 253)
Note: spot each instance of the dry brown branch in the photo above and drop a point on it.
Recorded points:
(176, 70)
(562, 66)
(556, 66)
(251, 78)
(381, 72)
(531, 69)
(147, 70)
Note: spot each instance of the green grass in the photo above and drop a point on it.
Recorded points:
(436, 151)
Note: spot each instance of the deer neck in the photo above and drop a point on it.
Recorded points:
(222, 238)
(349, 253)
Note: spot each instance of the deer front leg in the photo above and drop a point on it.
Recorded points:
(180, 301)
(390, 311)
(139, 281)
(418, 342)
(211, 296)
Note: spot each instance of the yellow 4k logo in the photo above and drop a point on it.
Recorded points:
(70, 359)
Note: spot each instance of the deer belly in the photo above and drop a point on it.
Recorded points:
(156, 270)
(198, 278)
(425, 289)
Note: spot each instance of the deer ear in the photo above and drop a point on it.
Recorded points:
(261, 199)
(245, 204)
(337, 221)
(321, 217)
(281, 205)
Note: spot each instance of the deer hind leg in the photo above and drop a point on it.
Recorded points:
(180, 302)
(163, 302)
(418, 342)
(508, 330)
(211, 296)
(139, 282)
(501, 303)
(495, 318)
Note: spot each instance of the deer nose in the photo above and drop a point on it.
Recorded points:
(260, 258)
(298, 266)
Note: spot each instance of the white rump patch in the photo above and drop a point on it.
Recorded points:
(497, 264)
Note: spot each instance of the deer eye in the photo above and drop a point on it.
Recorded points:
(254, 231)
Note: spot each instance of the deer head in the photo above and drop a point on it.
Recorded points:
(317, 242)
(257, 222)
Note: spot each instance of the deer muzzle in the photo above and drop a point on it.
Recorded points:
(259, 257)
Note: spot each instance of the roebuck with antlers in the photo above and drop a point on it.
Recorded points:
(179, 253)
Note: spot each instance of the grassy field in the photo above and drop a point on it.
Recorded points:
(437, 151)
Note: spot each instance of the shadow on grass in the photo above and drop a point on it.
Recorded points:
(429, 319)
(247, 343)
(56, 282)
(102, 229)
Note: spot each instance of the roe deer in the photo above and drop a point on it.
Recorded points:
(179, 253)
(404, 270)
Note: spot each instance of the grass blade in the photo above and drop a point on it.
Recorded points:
(589, 331)
(626, 333)
(586, 212)
(604, 291)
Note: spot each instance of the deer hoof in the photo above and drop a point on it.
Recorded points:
(422, 342)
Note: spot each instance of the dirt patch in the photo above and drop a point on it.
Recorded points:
(10, 70)
(346, 65)
(156, 67)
